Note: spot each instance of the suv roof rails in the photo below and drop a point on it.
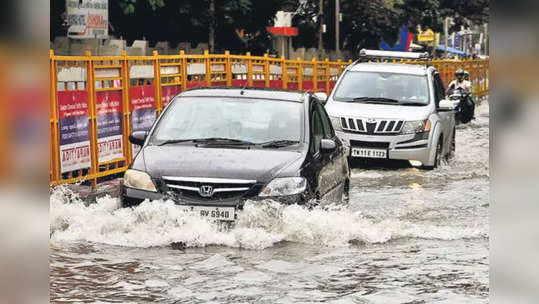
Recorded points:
(369, 55)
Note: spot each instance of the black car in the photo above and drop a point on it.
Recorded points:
(213, 148)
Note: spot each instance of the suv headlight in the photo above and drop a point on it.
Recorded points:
(138, 180)
(336, 122)
(284, 186)
(416, 126)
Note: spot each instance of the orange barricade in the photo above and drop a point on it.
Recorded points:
(97, 101)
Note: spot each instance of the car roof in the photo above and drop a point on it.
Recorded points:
(262, 93)
(400, 68)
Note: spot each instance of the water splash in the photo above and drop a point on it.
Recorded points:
(260, 225)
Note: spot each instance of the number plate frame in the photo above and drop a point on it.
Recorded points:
(360, 152)
(212, 212)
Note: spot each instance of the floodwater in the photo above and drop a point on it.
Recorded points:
(408, 236)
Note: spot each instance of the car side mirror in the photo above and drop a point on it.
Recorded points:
(138, 137)
(327, 145)
(446, 105)
(322, 97)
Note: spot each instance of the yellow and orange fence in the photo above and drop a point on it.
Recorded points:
(97, 101)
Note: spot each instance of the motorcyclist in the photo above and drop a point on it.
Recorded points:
(460, 82)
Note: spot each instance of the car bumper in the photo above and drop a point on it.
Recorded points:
(132, 196)
(401, 147)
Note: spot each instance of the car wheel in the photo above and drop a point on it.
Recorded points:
(437, 156)
(453, 144)
(346, 193)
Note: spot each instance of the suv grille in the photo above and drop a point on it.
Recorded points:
(208, 189)
(372, 126)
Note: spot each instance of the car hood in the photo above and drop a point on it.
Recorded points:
(191, 161)
(357, 109)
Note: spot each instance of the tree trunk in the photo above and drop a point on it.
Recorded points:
(211, 38)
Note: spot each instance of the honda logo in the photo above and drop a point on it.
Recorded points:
(206, 191)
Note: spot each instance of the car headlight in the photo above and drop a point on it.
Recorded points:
(284, 186)
(139, 180)
(336, 122)
(416, 126)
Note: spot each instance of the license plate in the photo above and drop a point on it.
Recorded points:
(369, 153)
(214, 213)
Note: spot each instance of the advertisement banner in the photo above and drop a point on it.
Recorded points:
(143, 113)
(109, 125)
(87, 19)
(167, 93)
(74, 130)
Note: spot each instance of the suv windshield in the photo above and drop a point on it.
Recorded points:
(230, 120)
(381, 87)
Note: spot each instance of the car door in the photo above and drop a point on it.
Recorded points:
(447, 118)
(317, 167)
(336, 166)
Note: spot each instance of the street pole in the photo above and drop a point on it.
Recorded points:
(337, 24)
(321, 27)
(446, 34)
(211, 29)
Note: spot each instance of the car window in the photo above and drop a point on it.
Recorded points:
(253, 120)
(326, 122)
(403, 88)
(317, 131)
(439, 91)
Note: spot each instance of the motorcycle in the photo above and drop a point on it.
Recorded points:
(465, 108)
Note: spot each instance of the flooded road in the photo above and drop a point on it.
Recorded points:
(408, 236)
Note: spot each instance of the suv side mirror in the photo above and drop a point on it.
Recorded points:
(322, 97)
(327, 145)
(138, 137)
(446, 105)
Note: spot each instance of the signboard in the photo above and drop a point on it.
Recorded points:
(87, 19)
(74, 132)
(167, 93)
(426, 36)
(109, 125)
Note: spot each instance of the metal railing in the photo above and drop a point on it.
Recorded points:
(97, 101)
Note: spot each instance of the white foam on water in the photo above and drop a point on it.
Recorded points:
(260, 225)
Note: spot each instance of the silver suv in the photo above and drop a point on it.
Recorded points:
(393, 111)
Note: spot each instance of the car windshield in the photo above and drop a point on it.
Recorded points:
(242, 120)
(381, 87)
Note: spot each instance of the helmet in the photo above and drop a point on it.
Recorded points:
(459, 72)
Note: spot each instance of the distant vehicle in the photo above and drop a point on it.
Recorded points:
(392, 110)
(214, 148)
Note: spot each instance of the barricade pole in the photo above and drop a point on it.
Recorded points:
(92, 116)
(299, 73)
(228, 69)
(284, 73)
(315, 75)
(183, 66)
(266, 71)
(55, 148)
(208, 68)
(327, 75)
(126, 111)
(157, 82)
(249, 69)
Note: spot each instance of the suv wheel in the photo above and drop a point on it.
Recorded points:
(453, 144)
(437, 157)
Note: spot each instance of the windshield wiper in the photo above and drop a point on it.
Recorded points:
(278, 143)
(379, 99)
(210, 140)
(412, 103)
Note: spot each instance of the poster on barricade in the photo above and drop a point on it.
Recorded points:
(143, 113)
(167, 93)
(73, 130)
(109, 125)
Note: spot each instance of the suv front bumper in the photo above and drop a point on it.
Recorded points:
(401, 147)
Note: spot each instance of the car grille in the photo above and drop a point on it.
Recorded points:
(372, 126)
(369, 144)
(208, 189)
